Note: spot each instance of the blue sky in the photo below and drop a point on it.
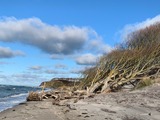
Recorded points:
(42, 39)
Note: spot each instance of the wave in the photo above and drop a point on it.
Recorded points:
(19, 95)
(10, 101)
(11, 95)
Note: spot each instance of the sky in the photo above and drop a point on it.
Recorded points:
(43, 39)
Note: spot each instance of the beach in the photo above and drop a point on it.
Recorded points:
(30, 111)
(142, 104)
(79, 60)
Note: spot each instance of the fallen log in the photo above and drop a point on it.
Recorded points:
(106, 85)
(96, 87)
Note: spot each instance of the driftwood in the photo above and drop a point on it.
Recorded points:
(97, 86)
(112, 84)
(59, 97)
(34, 96)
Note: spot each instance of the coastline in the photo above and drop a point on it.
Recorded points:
(12, 95)
(33, 110)
(143, 104)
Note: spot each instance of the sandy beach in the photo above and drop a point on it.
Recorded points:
(135, 105)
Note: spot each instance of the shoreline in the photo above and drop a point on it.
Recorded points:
(12, 95)
(142, 104)
(33, 110)
(14, 106)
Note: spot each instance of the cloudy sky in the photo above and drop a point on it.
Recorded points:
(42, 39)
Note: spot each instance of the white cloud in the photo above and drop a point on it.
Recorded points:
(77, 70)
(3, 63)
(50, 39)
(87, 59)
(98, 46)
(24, 76)
(140, 25)
(60, 66)
(28, 79)
(6, 52)
(57, 56)
(36, 67)
(3, 76)
(49, 71)
(54, 40)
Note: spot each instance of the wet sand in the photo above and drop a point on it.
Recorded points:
(141, 104)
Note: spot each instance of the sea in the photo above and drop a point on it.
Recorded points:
(13, 95)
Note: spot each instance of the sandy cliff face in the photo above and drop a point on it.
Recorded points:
(60, 82)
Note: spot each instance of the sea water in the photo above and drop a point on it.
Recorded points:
(13, 95)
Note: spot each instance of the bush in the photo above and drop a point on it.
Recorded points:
(137, 57)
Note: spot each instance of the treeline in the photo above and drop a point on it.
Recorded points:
(134, 62)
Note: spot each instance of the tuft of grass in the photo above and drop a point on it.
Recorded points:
(144, 83)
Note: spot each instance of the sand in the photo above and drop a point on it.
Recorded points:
(143, 104)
